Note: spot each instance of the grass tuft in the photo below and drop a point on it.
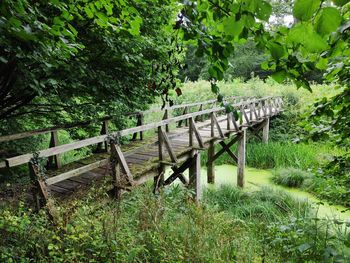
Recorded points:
(290, 177)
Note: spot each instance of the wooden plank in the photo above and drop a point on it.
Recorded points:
(75, 172)
(225, 147)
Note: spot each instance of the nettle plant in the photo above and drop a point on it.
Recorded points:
(318, 39)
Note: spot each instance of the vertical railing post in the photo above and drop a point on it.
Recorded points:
(141, 122)
(185, 112)
(104, 130)
(165, 117)
(54, 161)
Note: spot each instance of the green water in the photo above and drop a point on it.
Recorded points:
(256, 178)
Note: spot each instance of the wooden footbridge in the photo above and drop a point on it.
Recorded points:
(177, 143)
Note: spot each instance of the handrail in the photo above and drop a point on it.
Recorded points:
(21, 135)
(25, 158)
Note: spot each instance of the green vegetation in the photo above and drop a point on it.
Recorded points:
(230, 225)
(291, 177)
(69, 61)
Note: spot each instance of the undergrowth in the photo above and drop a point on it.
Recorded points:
(229, 226)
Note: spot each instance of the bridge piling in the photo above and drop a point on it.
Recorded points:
(195, 175)
(210, 164)
(241, 159)
(266, 128)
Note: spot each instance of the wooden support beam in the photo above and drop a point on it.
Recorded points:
(178, 170)
(138, 123)
(218, 126)
(54, 161)
(117, 153)
(194, 130)
(39, 192)
(241, 159)
(266, 128)
(210, 163)
(226, 148)
(234, 122)
(195, 175)
(167, 144)
(159, 179)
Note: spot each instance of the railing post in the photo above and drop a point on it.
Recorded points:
(165, 117)
(229, 121)
(138, 123)
(54, 161)
(104, 130)
(185, 112)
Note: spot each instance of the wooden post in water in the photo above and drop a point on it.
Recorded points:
(266, 128)
(210, 164)
(241, 159)
(195, 174)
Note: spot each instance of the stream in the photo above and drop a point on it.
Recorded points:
(257, 178)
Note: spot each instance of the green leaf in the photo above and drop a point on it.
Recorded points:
(277, 51)
(322, 64)
(88, 12)
(233, 27)
(304, 247)
(264, 11)
(328, 20)
(341, 2)
(305, 9)
(279, 76)
(135, 25)
(305, 35)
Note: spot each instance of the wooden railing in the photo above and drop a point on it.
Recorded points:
(55, 162)
(253, 107)
(251, 112)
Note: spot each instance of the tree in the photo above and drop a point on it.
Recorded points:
(71, 60)
(319, 39)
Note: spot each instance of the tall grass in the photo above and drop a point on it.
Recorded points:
(264, 205)
(290, 177)
(280, 154)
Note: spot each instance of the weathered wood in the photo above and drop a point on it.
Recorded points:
(195, 175)
(165, 117)
(241, 159)
(210, 163)
(167, 144)
(75, 172)
(194, 130)
(218, 127)
(178, 170)
(54, 161)
(226, 148)
(14, 161)
(266, 127)
(118, 154)
(104, 130)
